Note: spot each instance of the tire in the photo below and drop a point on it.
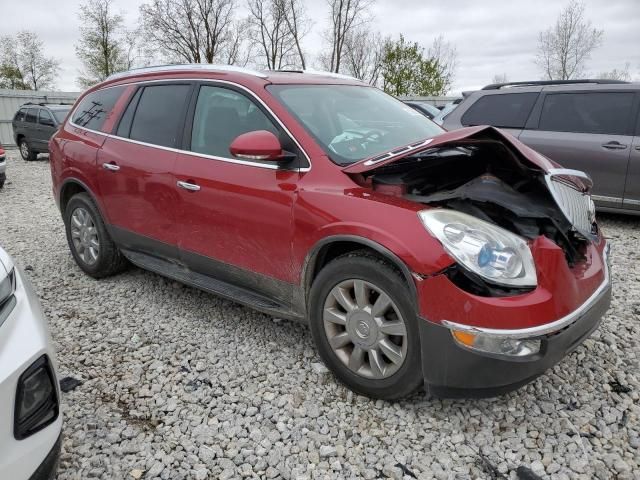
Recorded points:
(26, 151)
(100, 262)
(396, 379)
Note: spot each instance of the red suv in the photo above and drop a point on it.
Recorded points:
(464, 261)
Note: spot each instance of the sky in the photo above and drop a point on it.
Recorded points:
(491, 36)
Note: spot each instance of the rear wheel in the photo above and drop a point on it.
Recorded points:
(91, 246)
(365, 327)
(25, 150)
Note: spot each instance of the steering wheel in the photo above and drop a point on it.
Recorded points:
(371, 135)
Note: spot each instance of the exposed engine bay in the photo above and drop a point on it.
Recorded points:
(486, 179)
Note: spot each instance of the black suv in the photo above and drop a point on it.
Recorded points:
(33, 126)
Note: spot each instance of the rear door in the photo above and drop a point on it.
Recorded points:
(46, 127)
(135, 169)
(589, 131)
(632, 189)
(30, 125)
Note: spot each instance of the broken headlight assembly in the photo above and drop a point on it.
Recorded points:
(495, 254)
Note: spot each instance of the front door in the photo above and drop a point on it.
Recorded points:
(135, 170)
(235, 216)
(588, 131)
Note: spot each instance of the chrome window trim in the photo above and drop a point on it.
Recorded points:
(547, 328)
(196, 154)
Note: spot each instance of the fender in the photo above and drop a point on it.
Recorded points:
(69, 180)
(308, 268)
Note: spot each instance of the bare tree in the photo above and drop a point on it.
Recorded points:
(192, 31)
(615, 74)
(103, 47)
(363, 55)
(445, 58)
(500, 78)
(238, 50)
(274, 33)
(23, 64)
(345, 17)
(298, 24)
(564, 49)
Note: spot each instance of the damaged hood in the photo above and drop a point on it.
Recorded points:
(456, 138)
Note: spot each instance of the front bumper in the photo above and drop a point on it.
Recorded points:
(24, 338)
(452, 370)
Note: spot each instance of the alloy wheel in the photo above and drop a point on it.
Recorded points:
(85, 236)
(365, 329)
(24, 149)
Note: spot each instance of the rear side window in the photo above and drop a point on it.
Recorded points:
(507, 110)
(593, 112)
(31, 115)
(96, 107)
(20, 114)
(158, 117)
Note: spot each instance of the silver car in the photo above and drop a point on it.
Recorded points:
(589, 125)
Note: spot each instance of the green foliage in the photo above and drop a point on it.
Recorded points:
(407, 70)
(102, 47)
(23, 64)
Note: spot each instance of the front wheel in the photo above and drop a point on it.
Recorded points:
(365, 327)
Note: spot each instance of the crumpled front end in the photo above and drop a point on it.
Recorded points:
(530, 279)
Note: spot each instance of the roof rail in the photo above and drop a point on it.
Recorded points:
(188, 66)
(498, 86)
(311, 71)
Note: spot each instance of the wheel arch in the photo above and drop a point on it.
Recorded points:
(333, 246)
(71, 187)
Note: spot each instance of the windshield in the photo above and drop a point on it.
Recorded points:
(60, 113)
(353, 122)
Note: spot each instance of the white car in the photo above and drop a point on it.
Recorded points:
(30, 416)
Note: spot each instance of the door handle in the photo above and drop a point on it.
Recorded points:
(192, 187)
(638, 147)
(111, 166)
(614, 146)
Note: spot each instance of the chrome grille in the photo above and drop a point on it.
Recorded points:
(575, 203)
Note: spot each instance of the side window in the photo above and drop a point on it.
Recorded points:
(96, 107)
(44, 118)
(20, 114)
(158, 116)
(593, 112)
(32, 114)
(506, 110)
(221, 115)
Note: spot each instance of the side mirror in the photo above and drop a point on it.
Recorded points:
(259, 145)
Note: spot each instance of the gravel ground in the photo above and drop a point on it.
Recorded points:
(180, 384)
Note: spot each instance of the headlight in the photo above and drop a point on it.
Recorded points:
(492, 252)
(7, 286)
